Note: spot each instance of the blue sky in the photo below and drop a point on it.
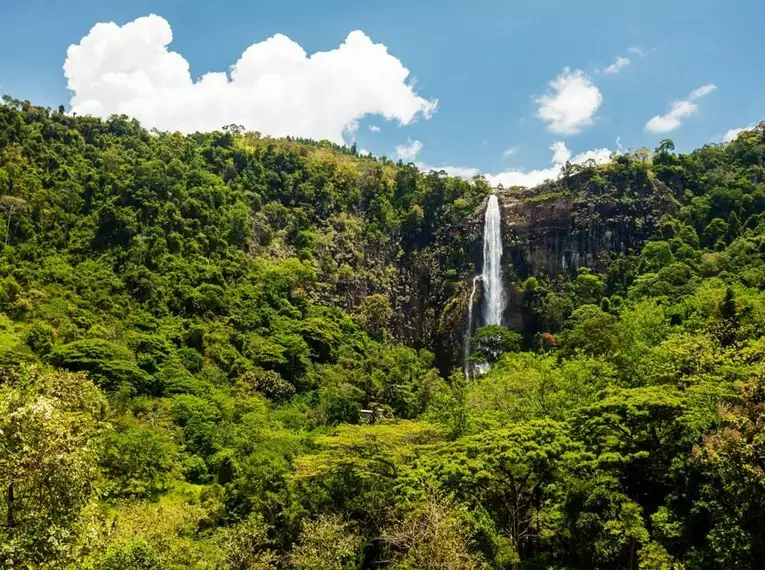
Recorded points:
(489, 65)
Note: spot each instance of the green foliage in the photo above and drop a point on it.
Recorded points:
(49, 422)
(433, 535)
(276, 325)
(40, 338)
(137, 461)
(490, 342)
(108, 364)
(326, 544)
(375, 314)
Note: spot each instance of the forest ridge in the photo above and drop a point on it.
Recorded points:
(224, 350)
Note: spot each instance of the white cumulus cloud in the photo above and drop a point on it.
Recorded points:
(275, 87)
(617, 65)
(374, 128)
(561, 155)
(572, 104)
(731, 134)
(409, 151)
(678, 111)
(465, 172)
(703, 90)
(529, 178)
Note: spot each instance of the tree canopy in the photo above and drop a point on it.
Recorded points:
(224, 350)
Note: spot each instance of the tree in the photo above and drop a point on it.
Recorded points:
(588, 288)
(490, 342)
(591, 330)
(10, 206)
(138, 462)
(431, 536)
(49, 422)
(655, 255)
(665, 146)
(109, 364)
(519, 475)
(375, 314)
(326, 543)
(247, 546)
(714, 234)
(732, 498)
(40, 338)
(643, 432)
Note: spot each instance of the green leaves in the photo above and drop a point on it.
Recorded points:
(490, 342)
(49, 422)
(108, 364)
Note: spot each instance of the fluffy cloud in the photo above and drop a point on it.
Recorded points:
(274, 87)
(374, 128)
(409, 151)
(529, 178)
(561, 155)
(617, 65)
(465, 172)
(679, 110)
(572, 103)
(731, 134)
(703, 90)
(509, 152)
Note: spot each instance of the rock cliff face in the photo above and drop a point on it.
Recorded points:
(549, 231)
(554, 229)
(557, 228)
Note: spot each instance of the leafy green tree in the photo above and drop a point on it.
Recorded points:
(49, 423)
(375, 314)
(592, 331)
(137, 461)
(714, 233)
(644, 432)
(655, 255)
(40, 338)
(490, 342)
(247, 546)
(519, 475)
(432, 535)
(588, 288)
(108, 364)
(733, 495)
(326, 543)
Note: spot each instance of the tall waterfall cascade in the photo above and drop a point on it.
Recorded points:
(494, 292)
(494, 299)
(469, 323)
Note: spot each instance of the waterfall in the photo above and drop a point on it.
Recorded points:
(494, 300)
(494, 292)
(466, 354)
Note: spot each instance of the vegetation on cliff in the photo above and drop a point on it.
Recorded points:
(228, 351)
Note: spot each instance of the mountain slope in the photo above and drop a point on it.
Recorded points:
(239, 352)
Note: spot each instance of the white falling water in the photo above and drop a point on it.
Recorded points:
(494, 292)
(469, 327)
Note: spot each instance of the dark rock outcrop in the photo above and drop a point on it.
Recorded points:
(582, 221)
(549, 231)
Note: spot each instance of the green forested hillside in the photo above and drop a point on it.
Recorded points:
(229, 351)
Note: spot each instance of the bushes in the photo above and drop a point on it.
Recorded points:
(138, 462)
(108, 364)
(40, 338)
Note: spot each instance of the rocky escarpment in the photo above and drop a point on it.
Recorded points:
(580, 221)
(553, 229)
